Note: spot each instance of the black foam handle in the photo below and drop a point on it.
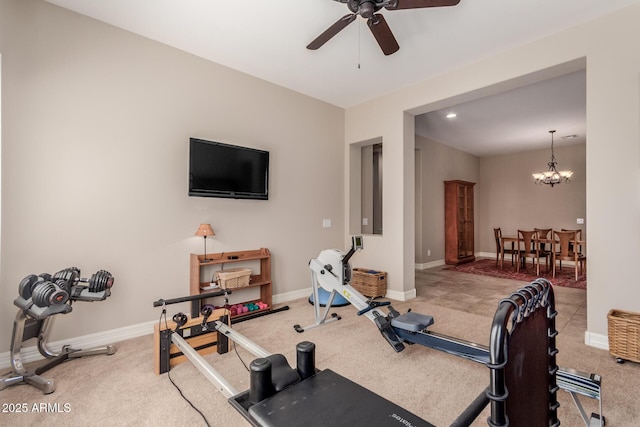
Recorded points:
(306, 359)
(261, 385)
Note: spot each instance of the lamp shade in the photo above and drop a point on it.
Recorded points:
(205, 230)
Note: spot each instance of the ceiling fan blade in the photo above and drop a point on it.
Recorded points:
(417, 4)
(332, 31)
(381, 31)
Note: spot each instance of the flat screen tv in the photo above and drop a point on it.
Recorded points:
(229, 171)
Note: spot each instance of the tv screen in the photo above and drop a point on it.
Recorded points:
(230, 171)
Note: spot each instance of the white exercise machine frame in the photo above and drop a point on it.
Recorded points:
(331, 270)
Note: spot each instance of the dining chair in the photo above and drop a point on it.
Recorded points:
(500, 250)
(578, 237)
(545, 248)
(565, 252)
(529, 249)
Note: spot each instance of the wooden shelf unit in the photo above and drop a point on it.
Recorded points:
(262, 279)
(458, 222)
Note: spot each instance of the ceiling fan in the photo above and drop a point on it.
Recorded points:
(375, 21)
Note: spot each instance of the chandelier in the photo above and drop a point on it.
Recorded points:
(552, 176)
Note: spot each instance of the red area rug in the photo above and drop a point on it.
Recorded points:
(487, 267)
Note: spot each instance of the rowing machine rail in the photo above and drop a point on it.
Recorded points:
(331, 260)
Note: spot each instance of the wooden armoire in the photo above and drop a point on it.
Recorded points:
(458, 222)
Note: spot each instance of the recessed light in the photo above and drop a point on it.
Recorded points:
(451, 115)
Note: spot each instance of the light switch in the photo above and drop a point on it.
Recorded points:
(365, 221)
(326, 223)
(580, 221)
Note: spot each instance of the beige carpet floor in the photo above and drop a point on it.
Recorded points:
(122, 390)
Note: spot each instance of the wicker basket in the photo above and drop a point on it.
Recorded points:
(624, 335)
(233, 278)
(370, 283)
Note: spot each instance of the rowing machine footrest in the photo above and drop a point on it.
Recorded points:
(282, 374)
(388, 333)
(413, 322)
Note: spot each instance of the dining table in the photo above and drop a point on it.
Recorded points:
(515, 241)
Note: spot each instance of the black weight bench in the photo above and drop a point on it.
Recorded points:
(330, 399)
(282, 396)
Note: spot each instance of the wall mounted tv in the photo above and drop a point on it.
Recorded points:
(229, 171)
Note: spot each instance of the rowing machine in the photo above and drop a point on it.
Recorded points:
(332, 271)
(522, 388)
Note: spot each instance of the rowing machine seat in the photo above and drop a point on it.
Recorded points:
(412, 322)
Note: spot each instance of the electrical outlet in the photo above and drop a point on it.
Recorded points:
(580, 221)
(428, 252)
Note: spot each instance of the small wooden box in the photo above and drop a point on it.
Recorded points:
(234, 278)
(370, 283)
(624, 335)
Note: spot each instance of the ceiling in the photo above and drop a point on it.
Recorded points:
(515, 120)
(267, 39)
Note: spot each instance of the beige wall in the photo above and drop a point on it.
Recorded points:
(439, 163)
(510, 200)
(95, 130)
(366, 194)
(88, 110)
(505, 195)
(612, 150)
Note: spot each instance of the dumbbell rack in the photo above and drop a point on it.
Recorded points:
(40, 298)
(25, 328)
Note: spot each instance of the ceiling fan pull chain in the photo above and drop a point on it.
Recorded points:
(359, 48)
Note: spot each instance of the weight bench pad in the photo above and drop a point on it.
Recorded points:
(329, 399)
(413, 322)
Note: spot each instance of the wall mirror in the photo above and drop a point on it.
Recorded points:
(365, 181)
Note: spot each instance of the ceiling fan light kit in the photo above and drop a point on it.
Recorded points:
(375, 21)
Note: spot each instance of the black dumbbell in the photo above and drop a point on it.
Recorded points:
(26, 286)
(47, 293)
(70, 275)
(100, 281)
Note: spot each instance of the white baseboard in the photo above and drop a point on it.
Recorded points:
(305, 293)
(439, 262)
(431, 264)
(290, 296)
(31, 354)
(596, 340)
(401, 296)
(486, 255)
(490, 255)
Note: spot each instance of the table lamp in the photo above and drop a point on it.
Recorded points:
(205, 230)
